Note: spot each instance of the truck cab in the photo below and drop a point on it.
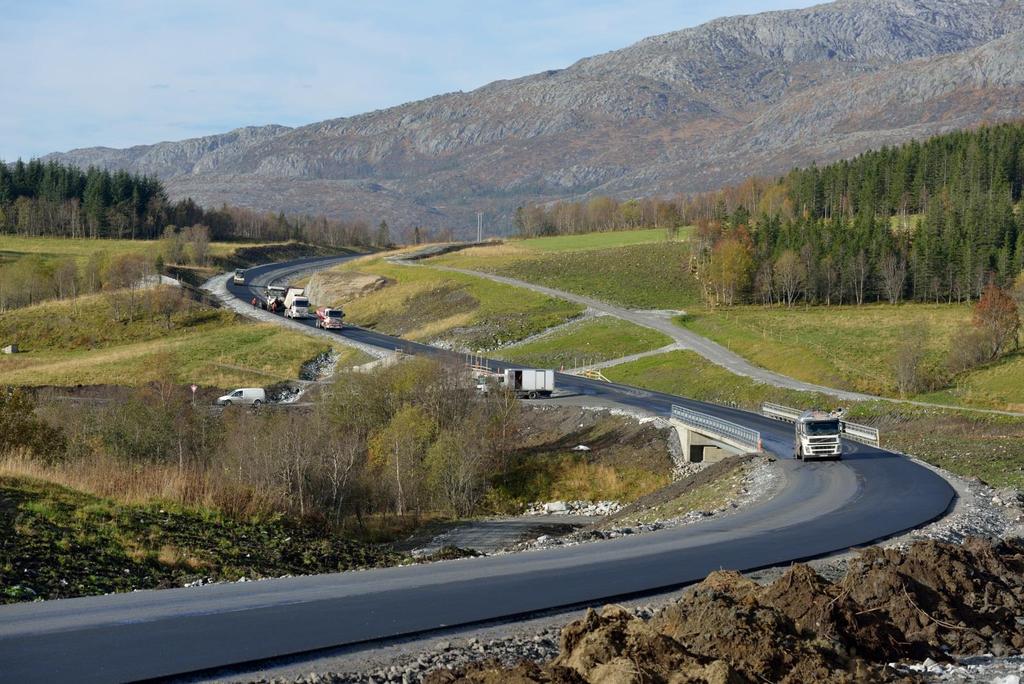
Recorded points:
(818, 436)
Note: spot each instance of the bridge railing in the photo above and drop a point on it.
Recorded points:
(854, 431)
(861, 433)
(718, 428)
(780, 412)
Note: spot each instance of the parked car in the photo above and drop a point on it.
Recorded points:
(247, 396)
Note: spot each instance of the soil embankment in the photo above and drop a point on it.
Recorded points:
(928, 601)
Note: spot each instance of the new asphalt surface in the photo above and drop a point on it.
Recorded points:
(821, 509)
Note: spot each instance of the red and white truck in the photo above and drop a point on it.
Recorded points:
(329, 318)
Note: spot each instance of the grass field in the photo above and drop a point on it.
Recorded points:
(421, 303)
(58, 543)
(77, 342)
(586, 241)
(585, 342)
(972, 445)
(654, 275)
(998, 385)
(13, 247)
(847, 347)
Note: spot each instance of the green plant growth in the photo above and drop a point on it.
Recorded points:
(584, 343)
(569, 477)
(846, 347)
(422, 303)
(58, 543)
(645, 276)
(707, 497)
(605, 240)
(79, 342)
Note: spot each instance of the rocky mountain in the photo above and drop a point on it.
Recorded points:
(679, 112)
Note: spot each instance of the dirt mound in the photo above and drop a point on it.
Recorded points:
(965, 598)
(341, 287)
(925, 601)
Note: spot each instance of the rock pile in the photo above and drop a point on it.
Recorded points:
(586, 508)
(929, 601)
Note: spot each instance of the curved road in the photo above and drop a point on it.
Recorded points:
(823, 508)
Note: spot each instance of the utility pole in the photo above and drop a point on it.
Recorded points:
(479, 226)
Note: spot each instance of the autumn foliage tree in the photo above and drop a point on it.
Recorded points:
(997, 317)
(729, 270)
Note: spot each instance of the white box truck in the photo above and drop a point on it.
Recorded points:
(296, 305)
(525, 382)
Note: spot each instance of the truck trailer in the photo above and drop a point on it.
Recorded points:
(525, 382)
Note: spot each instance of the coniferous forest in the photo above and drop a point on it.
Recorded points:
(926, 221)
(50, 199)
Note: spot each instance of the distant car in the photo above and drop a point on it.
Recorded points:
(239, 278)
(247, 396)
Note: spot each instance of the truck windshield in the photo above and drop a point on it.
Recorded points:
(334, 314)
(300, 302)
(823, 427)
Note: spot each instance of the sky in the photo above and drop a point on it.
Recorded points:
(81, 73)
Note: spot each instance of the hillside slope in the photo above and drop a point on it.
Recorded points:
(682, 111)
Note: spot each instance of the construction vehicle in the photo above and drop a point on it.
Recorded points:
(275, 298)
(329, 318)
(525, 382)
(818, 436)
(296, 304)
(239, 277)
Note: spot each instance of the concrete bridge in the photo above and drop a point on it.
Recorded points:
(705, 438)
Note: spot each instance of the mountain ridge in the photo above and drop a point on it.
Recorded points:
(682, 111)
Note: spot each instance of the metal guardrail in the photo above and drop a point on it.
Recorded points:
(854, 431)
(780, 412)
(717, 427)
(861, 433)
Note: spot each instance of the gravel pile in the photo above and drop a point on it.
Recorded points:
(759, 481)
(320, 366)
(980, 511)
(446, 655)
(587, 508)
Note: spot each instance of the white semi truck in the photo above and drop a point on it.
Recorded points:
(525, 382)
(818, 436)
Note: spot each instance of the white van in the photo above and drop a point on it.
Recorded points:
(247, 396)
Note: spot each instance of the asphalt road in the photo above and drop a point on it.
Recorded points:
(822, 508)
